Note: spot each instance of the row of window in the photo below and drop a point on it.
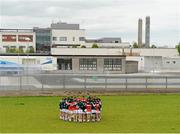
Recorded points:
(91, 64)
(20, 38)
(65, 39)
(6, 47)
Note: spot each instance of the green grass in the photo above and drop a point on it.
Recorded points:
(133, 113)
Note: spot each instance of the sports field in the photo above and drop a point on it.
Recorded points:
(124, 113)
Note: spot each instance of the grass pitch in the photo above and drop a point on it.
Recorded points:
(132, 113)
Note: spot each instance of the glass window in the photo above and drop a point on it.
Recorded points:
(64, 64)
(74, 39)
(112, 64)
(81, 38)
(88, 64)
(62, 38)
(54, 38)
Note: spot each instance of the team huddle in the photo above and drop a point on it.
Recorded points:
(83, 109)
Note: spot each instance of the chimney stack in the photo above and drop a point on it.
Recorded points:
(140, 30)
(147, 32)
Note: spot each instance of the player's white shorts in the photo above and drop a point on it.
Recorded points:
(80, 112)
(93, 111)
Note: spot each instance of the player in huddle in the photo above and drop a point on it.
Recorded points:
(80, 109)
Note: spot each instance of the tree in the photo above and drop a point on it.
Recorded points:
(95, 45)
(178, 48)
(21, 51)
(83, 46)
(153, 46)
(31, 50)
(12, 50)
(135, 45)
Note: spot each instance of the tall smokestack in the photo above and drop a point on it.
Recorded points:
(140, 32)
(147, 35)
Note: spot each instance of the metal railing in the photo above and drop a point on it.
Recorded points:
(72, 81)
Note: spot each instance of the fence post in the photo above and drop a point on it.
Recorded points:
(64, 83)
(146, 83)
(105, 82)
(166, 82)
(126, 83)
(85, 79)
(20, 82)
(42, 82)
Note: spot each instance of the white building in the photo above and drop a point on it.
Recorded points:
(155, 60)
(109, 42)
(64, 34)
(17, 39)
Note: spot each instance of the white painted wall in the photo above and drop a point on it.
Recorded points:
(171, 64)
(86, 51)
(69, 34)
(165, 52)
(109, 45)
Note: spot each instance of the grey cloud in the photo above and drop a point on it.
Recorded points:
(99, 17)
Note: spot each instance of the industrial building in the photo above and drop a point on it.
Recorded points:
(110, 42)
(23, 39)
(67, 35)
(75, 60)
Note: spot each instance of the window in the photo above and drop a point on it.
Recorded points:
(62, 38)
(112, 64)
(54, 38)
(73, 38)
(21, 47)
(13, 47)
(81, 38)
(116, 41)
(174, 62)
(6, 48)
(88, 64)
(64, 64)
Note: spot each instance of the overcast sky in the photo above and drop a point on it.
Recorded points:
(100, 18)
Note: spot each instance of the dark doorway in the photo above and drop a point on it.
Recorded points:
(64, 64)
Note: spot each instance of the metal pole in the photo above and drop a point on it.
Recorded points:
(166, 82)
(85, 81)
(126, 83)
(146, 83)
(64, 83)
(105, 82)
(42, 82)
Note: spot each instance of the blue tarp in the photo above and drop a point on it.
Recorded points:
(10, 66)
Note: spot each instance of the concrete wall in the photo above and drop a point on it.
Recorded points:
(171, 64)
(164, 52)
(152, 63)
(86, 51)
(109, 45)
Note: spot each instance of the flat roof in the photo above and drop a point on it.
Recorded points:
(87, 51)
